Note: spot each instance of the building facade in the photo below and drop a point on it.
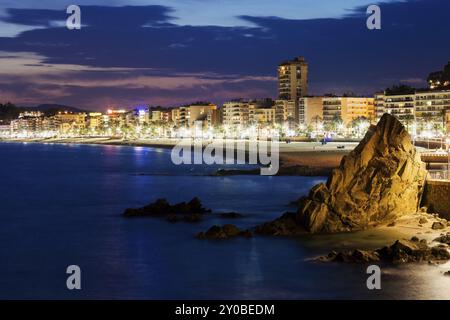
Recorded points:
(285, 110)
(187, 116)
(447, 122)
(235, 113)
(261, 116)
(426, 109)
(293, 81)
(69, 122)
(310, 109)
(431, 106)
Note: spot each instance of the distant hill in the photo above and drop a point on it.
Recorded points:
(9, 111)
(54, 108)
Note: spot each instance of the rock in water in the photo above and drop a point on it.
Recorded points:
(225, 232)
(380, 180)
(190, 211)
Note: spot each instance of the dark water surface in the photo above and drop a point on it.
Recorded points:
(61, 205)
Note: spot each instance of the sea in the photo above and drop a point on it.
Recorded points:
(61, 205)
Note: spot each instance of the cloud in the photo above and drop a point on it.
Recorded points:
(26, 78)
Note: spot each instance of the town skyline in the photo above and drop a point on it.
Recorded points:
(94, 68)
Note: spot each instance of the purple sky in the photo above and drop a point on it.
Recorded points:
(179, 51)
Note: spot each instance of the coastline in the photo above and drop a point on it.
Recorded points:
(296, 158)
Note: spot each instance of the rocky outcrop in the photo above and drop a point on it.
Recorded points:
(380, 180)
(286, 225)
(224, 232)
(402, 251)
(191, 211)
(438, 225)
(444, 238)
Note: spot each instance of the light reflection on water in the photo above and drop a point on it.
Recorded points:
(61, 205)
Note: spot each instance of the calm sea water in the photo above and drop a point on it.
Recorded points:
(61, 205)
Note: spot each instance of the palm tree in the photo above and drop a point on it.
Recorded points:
(408, 120)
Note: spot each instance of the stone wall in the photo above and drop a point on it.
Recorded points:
(437, 197)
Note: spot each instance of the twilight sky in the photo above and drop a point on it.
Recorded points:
(169, 52)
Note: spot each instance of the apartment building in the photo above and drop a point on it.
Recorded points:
(401, 106)
(235, 113)
(426, 108)
(214, 118)
(447, 122)
(310, 109)
(431, 106)
(348, 109)
(29, 121)
(176, 116)
(378, 104)
(293, 81)
(261, 115)
(357, 107)
(284, 110)
(332, 108)
(189, 115)
(68, 121)
(95, 120)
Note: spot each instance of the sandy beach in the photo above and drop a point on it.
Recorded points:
(312, 158)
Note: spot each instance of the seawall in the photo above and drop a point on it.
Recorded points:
(437, 197)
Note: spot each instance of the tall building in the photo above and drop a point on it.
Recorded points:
(293, 81)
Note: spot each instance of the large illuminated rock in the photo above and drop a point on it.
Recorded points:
(380, 180)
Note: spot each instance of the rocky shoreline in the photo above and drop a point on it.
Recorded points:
(401, 251)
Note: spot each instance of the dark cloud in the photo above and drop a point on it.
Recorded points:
(94, 16)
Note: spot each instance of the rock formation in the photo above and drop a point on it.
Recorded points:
(402, 251)
(380, 180)
(191, 211)
(286, 225)
(225, 232)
